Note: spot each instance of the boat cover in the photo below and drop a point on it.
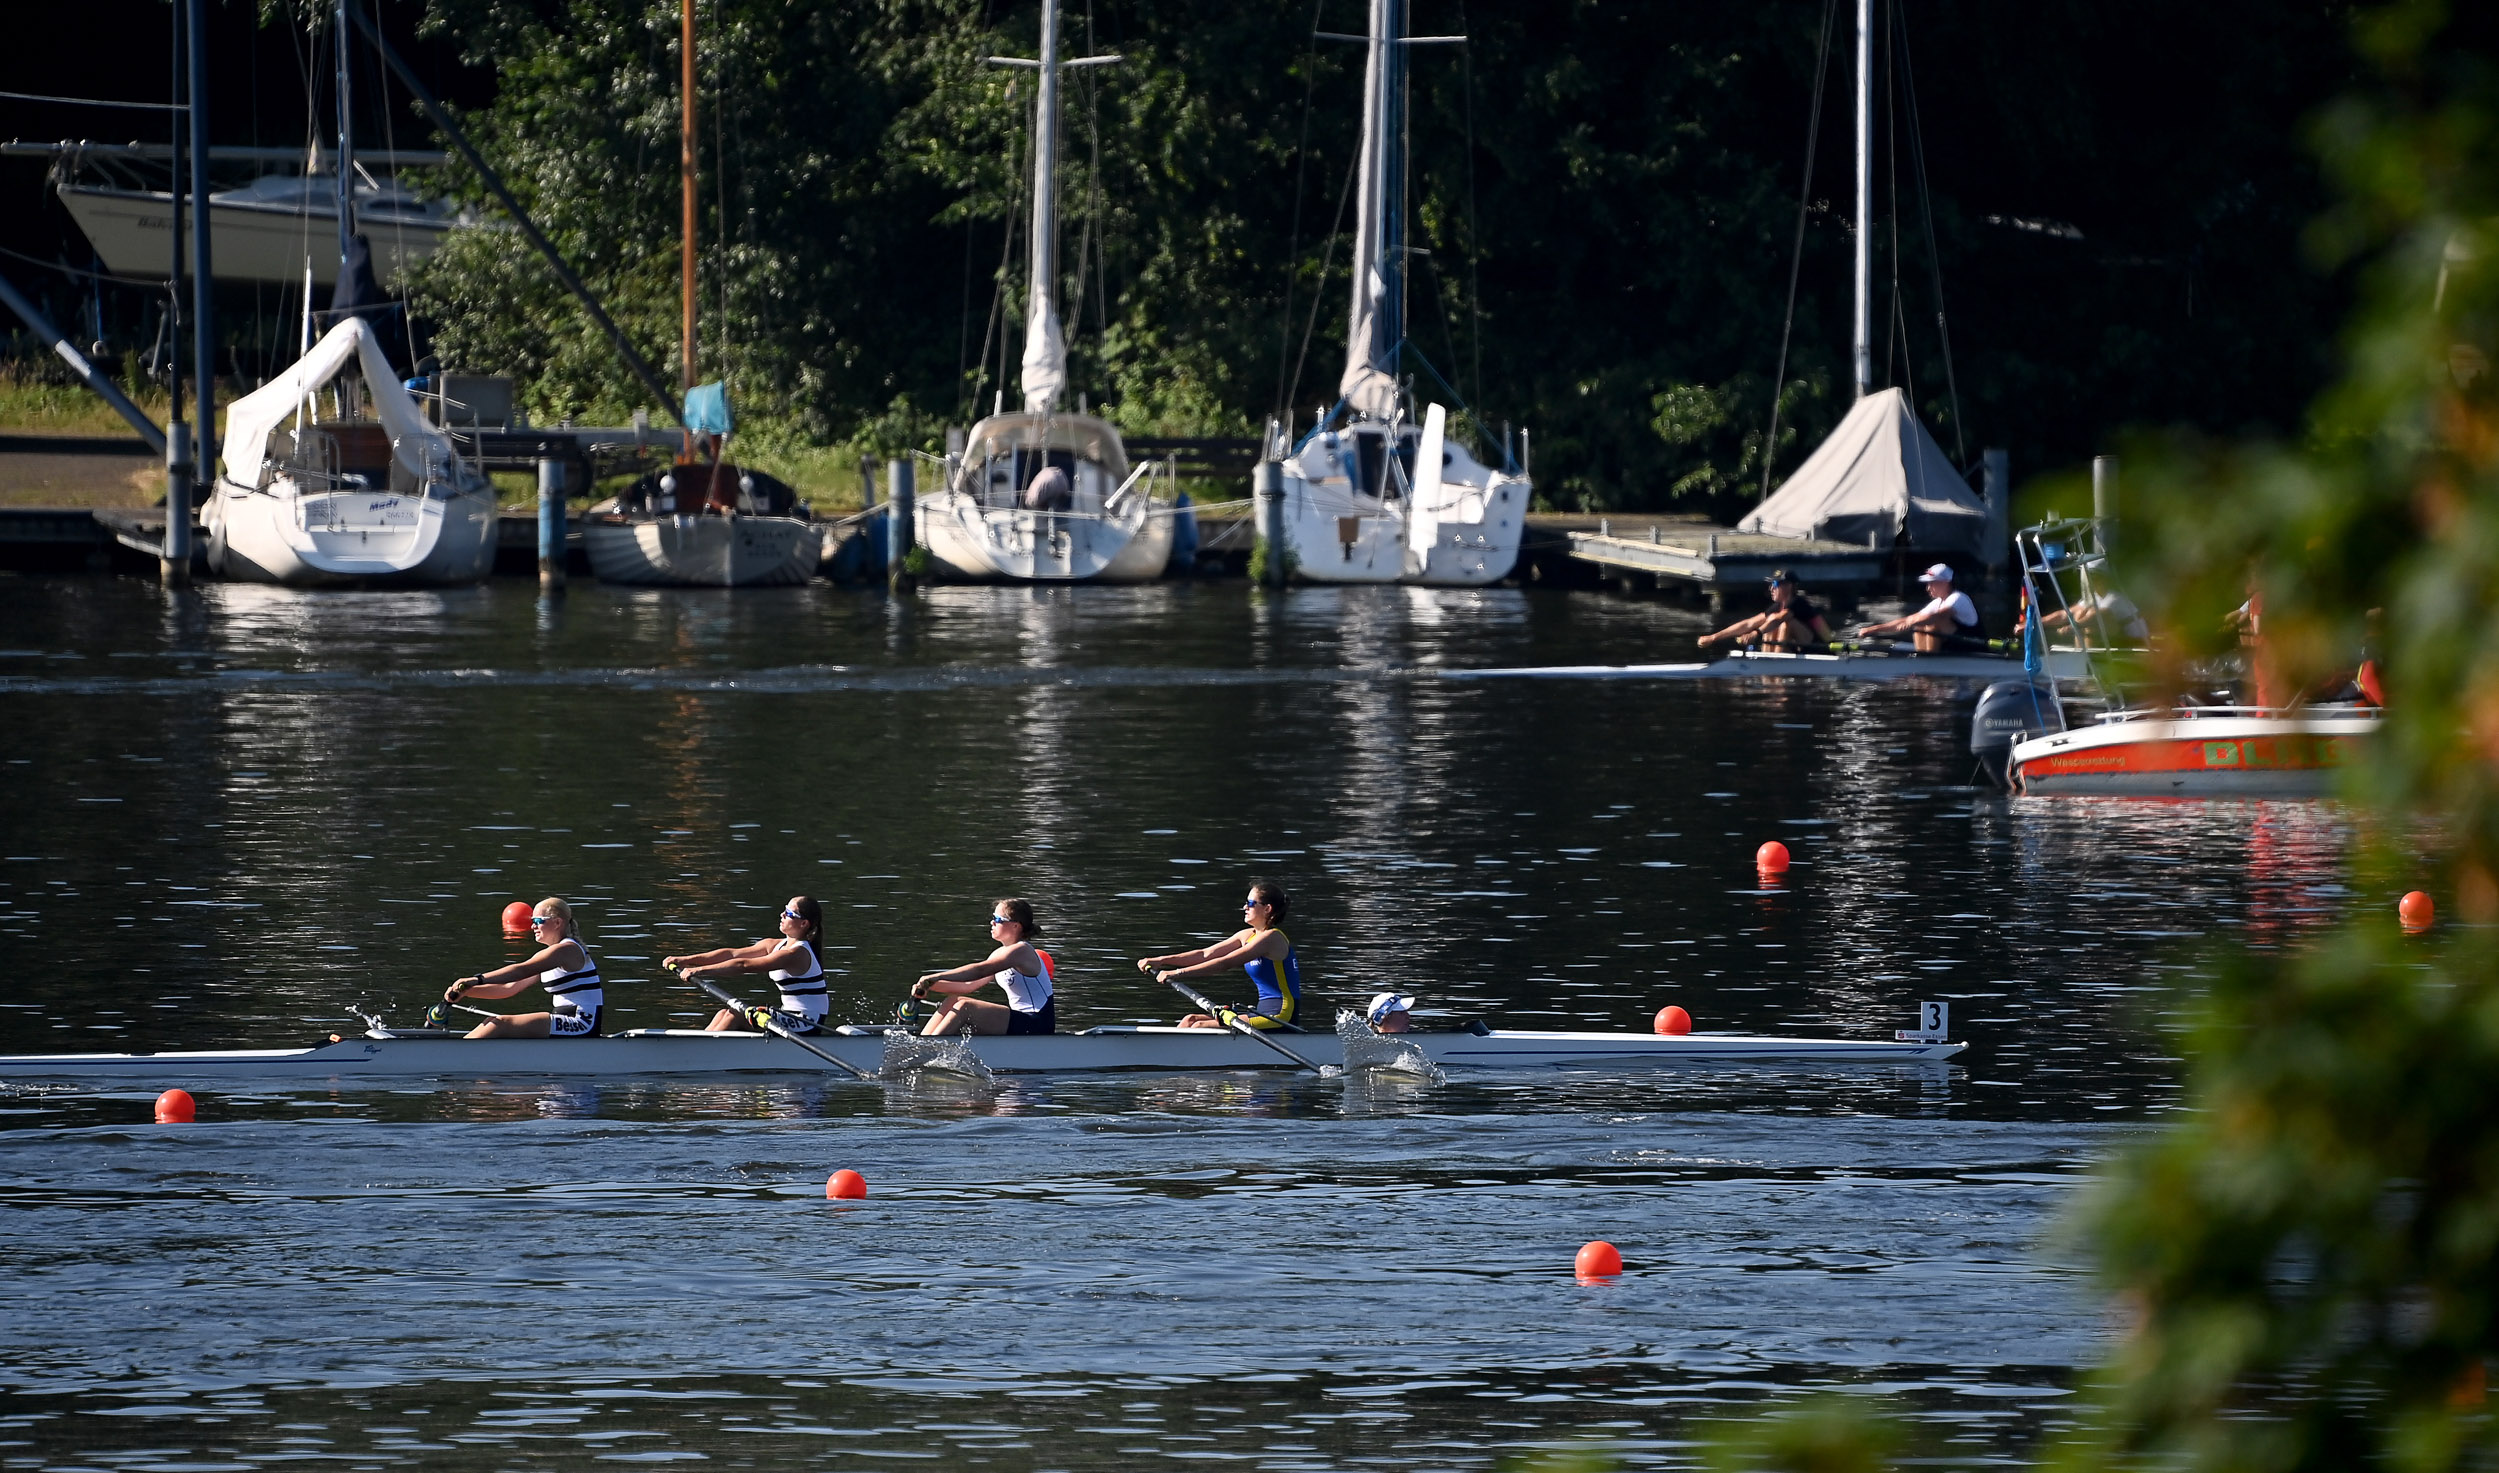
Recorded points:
(250, 418)
(1880, 475)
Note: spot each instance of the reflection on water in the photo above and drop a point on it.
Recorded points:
(229, 813)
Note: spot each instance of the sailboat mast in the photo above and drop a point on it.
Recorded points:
(685, 169)
(346, 165)
(1045, 344)
(1375, 328)
(1863, 322)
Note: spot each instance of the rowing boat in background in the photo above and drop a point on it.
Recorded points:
(1887, 663)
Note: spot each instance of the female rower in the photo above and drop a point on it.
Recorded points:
(794, 960)
(562, 966)
(1020, 971)
(1259, 948)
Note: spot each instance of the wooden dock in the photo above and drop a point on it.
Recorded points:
(1712, 560)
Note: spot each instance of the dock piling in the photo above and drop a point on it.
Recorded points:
(550, 524)
(898, 497)
(1267, 484)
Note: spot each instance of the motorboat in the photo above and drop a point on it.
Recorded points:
(385, 1053)
(2022, 728)
(704, 525)
(2198, 752)
(1372, 494)
(1041, 495)
(372, 495)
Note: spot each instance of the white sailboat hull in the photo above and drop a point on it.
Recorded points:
(347, 538)
(1126, 545)
(678, 1052)
(1337, 535)
(1458, 529)
(704, 551)
(248, 241)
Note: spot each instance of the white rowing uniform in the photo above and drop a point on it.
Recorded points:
(803, 999)
(578, 997)
(1027, 992)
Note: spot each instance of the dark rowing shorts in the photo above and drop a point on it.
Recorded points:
(1044, 1021)
(572, 1023)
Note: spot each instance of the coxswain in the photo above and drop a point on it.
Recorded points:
(793, 960)
(1021, 971)
(562, 966)
(1949, 620)
(1791, 622)
(1259, 948)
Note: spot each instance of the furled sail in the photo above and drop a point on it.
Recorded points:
(1370, 381)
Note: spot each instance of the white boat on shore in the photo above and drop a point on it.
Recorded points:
(437, 1054)
(371, 497)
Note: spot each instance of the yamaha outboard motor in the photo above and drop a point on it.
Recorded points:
(2012, 711)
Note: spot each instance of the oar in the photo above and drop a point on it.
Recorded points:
(773, 1027)
(1235, 1024)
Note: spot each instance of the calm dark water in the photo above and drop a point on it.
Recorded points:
(225, 817)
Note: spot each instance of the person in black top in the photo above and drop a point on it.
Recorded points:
(1789, 623)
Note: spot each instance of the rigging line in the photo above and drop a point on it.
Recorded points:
(1926, 205)
(152, 283)
(1327, 263)
(1293, 248)
(171, 107)
(1796, 259)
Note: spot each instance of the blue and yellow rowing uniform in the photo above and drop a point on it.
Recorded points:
(1279, 992)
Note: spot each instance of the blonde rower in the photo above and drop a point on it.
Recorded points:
(562, 966)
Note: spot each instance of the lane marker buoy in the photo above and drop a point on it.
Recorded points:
(1598, 1260)
(176, 1107)
(1673, 1020)
(2417, 910)
(845, 1185)
(516, 918)
(1771, 858)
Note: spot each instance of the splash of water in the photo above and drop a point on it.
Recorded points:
(1366, 1048)
(908, 1056)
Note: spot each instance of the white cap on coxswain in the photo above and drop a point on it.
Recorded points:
(1385, 1003)
(1940, 573)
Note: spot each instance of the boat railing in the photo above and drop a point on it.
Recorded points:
(2213, 713)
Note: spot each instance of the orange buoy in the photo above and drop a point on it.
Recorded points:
(2417, 911)
(1598, 1260)
(1673, 1020)
(516, 918)
(175, 1107)
(846, 1184)
(1771, 858)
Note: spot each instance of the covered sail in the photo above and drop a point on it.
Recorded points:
(1370, 382)
(414, 443)
(1045, 346)
(1879, 476)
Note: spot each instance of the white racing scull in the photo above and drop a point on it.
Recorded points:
(439, 1054)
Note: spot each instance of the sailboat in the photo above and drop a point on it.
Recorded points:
(1879, 477)
(1042, 495)
(1371, 495)
(371, 496)
(705, 522)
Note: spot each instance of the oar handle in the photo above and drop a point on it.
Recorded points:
(1235, 1024)
(773, 1027)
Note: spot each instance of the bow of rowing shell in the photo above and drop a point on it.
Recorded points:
(670, 1051)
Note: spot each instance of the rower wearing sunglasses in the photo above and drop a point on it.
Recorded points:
(794, 960)
(1259, 948)
(1021, 971)
(562, 966)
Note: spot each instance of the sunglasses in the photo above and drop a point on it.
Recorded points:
(791, 915)
(1002, 920)
(535, 921)
(1252, 904)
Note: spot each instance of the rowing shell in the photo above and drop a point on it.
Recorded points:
(1755, 664)
(680, 1051)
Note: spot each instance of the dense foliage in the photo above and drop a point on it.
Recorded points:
(1607, 194)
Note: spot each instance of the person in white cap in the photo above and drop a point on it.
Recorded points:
(1390, 1012)
(1949, 619)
